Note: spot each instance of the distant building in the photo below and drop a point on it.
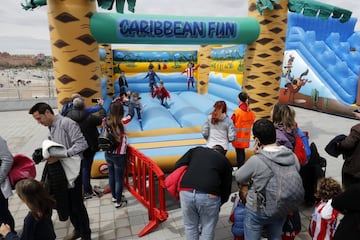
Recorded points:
(7, 60)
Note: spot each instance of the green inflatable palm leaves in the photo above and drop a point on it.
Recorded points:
(323, 11)
(105, 4)
(108, 5)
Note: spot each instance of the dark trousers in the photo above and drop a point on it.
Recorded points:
(240, 156)
(5, 215)
(78, 213)
(86, 164)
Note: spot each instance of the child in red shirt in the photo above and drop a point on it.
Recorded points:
(162, 94)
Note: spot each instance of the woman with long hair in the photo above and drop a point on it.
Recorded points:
(219, 129)
(116, 158)
(37, 223)
(285, 125)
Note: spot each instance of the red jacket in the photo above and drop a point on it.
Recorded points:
(161, 93)
(172, 182)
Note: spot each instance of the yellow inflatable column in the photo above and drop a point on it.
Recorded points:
(204, 60)
(109, 73)
(264, 57)
(75, 52)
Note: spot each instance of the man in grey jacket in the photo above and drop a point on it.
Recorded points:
(257, 173)
(67, 132)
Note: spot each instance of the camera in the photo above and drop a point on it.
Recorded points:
(94, 100)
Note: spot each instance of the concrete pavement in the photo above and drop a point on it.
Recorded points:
(23, 135)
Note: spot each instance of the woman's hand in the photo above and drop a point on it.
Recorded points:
(4, 229)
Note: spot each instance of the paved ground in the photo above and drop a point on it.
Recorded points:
(23, 135)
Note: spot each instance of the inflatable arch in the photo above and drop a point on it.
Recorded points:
(76, 29)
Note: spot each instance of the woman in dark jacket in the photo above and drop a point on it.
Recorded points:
(348, 203)
(88, 124)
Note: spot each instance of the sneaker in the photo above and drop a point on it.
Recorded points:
(72, 236)
(88, 195)
(126, 119)
(122, 198)
(123, 203)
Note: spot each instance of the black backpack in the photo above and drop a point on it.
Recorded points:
(106, 140)
(311, 173)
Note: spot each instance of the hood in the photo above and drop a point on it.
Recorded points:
(78, 115)
(243, 106)
(279, 154)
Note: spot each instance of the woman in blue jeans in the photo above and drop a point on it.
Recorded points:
(116, 159)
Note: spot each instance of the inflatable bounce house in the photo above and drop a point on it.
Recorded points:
(164, 134)
(318, 70)
(321, 65)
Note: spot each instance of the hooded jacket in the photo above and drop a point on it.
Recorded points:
(285, 137)
(88, 124)
(259, 173)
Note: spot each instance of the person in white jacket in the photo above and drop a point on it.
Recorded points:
(6, 161)
(324, 219)
(219, 128)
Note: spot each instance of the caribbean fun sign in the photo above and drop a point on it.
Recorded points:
(123, 28)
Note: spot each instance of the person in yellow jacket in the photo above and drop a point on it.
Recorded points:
(243, 119)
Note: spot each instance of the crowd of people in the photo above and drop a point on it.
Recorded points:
(255, 213)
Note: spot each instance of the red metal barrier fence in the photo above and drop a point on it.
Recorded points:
(146, 182)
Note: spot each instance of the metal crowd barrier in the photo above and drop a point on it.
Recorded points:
(146, 182)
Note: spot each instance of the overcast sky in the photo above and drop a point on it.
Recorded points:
(26, 32)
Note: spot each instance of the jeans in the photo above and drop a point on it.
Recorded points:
(5, 215)
(163, 101)
(78, 213)
(86, 164)
(254, 223)
(116, 165)
(199, 208)
(240, 156)
(132, 112)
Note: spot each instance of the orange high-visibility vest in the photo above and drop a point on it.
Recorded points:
(243, 122)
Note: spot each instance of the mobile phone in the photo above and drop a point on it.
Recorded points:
(94, 100)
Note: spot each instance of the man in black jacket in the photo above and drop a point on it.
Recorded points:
(88, 124)
(205, 186)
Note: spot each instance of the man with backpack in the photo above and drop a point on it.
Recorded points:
(275, 186)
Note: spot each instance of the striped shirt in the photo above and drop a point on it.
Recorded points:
(323, 221)
(190, 71)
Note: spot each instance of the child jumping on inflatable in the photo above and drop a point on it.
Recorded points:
(134, 105)
(190, 74)
(162, 94)
(152, 81)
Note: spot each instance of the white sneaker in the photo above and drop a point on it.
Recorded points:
(113, 200)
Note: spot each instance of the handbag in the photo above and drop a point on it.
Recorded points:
(23, 167)
(106, 140)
